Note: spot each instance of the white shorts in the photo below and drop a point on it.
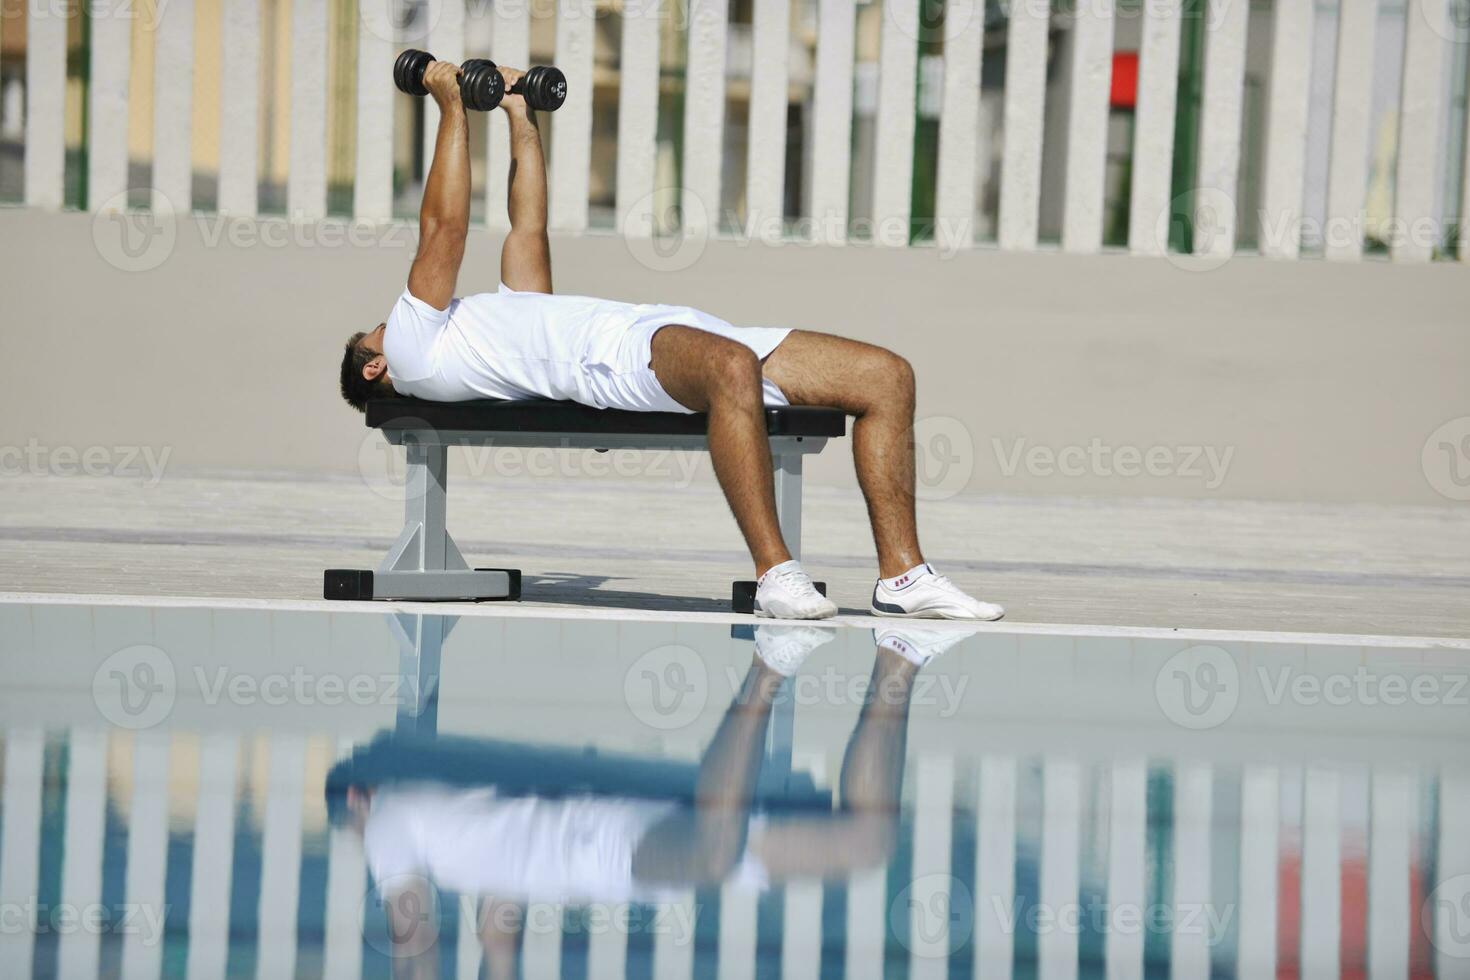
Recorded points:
(630, 384)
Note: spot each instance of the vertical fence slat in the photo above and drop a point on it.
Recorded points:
(45, 152)
(78, 952)
(765, 170)
(1347, 171)
(20, 845)
(1288, 94)
(737, 936)
(107, 111)
(637, 117)
(346, 872)
(893, 153)
(510, 44)
(280, 860)
(372, 185)
(1127, 865)
(1420, 111)
(213, 857)
(239, 107)
(832, 121)
(1153, 133)
(1189, 954)
(1060, 876)
(1260, 822)
(173, 97)
(704, 115)
(959, 124)
(1390, 830)
(446, 41)
(995, 868)
(929, 936)
(467, 949)
(306, 183)
(1321, 876)
(1391, 827)
(571, 129)
(1025, 100)
(542, 934)
(867, 924)
(1463, 244)
(1087, 127)
(1452, 860)
(1221, 104)
(801, 929)
(142, 954)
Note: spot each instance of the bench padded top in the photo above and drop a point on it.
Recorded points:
(492, 415)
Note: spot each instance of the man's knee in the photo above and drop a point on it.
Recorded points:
(733, 371)
(891, 380)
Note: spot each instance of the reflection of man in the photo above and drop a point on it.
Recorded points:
(508, 850)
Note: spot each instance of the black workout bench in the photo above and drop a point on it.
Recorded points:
(425, 564)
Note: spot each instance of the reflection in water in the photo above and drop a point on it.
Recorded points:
(906, 822)
(562, 828)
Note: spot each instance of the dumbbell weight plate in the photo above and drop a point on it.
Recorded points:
(545, 87)
(408, 71)
(481, 85)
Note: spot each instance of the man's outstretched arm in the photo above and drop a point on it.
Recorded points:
(444, 216)
(525, 260)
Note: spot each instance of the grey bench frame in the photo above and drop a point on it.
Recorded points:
(424, 562)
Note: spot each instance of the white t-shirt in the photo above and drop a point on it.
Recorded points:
(511, 344)
(527, 848)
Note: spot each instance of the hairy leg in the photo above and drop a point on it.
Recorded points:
(705, 372)
(877, 387)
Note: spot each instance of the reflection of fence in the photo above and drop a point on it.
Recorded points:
(1197, 194)
(1030, 847)
(1123, 860)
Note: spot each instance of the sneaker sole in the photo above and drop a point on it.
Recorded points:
(935, 615)
(762, 614)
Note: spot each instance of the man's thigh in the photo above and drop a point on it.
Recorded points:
(685, 359)
(822, 369)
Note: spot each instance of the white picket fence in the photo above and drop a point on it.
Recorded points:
(1435, 30)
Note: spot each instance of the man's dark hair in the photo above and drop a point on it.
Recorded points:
(355, 388)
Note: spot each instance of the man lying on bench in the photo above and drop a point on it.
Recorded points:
(524, 342)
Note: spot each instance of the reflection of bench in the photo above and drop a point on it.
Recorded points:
(424, 562)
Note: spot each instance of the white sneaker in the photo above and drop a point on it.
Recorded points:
(925, 594)
(919, 646)
(785, 648)
(787, 592)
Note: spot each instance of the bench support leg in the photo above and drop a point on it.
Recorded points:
(788, 500)
(424, 563)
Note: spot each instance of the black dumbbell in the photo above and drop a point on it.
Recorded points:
(543, 86)
(481, 85)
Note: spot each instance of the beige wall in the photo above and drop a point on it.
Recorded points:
(1322, 381)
